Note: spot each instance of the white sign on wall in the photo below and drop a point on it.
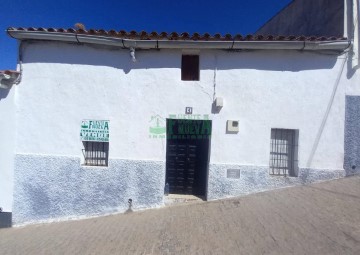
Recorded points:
(95, 130)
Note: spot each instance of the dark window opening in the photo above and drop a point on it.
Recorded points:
(190, 68)
(96, 153)
(283, 152)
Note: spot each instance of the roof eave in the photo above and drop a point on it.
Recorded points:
(338, 45)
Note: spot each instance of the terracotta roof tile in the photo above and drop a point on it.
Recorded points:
(143, 35)
(9, 72)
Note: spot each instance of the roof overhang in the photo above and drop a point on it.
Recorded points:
(307, 45)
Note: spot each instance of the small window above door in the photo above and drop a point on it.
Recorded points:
(190, 68)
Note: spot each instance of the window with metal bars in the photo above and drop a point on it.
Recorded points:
(190, 68)
(96, 153)
(283, 152)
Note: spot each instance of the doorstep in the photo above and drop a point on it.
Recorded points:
(178, 199)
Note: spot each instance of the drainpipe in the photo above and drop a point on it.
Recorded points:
(18, 80)
(355, 34)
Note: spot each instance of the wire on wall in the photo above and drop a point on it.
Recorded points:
(214, 79)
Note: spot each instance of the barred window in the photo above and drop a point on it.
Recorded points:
(283, 152)
(96, 153)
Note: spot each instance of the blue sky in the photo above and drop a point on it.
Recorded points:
(231, 16)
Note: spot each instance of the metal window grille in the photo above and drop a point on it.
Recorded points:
(96, 153)
(283, 152)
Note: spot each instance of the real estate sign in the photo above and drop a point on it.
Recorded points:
(95, 130)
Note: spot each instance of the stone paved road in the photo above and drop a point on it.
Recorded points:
(317, 219)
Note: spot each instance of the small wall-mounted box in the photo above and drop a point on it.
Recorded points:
(219, 102)
(232, 126)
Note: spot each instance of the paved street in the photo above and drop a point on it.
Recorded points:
(316, 219)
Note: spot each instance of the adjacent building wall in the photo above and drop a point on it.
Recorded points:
(352, 121)
(352, 138)
(7, 147)
(309, 18)
(66, 83)
(352, 108)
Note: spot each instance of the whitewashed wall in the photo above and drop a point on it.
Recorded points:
(288, 89)
(7, 147)
(65, 83)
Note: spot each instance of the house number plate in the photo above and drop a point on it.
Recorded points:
(188, 110)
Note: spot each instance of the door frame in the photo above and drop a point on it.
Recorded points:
(206, 169)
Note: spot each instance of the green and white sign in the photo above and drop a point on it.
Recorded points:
(95, 130)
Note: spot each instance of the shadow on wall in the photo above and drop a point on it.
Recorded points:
(276, 60)
(351, 70)
(41, 204)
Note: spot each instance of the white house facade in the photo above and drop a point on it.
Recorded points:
(98, 118)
